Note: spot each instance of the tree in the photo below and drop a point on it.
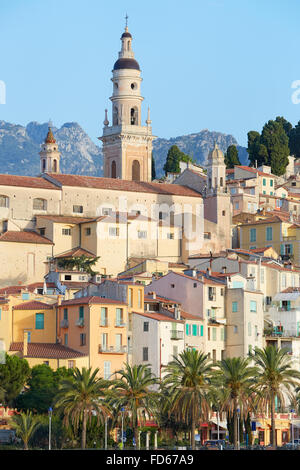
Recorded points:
(275, 139)
(295, 140)
(82, 263)
(80, 397)
(41, 388)
(231, 157)
(133, 391)
(258, 154)
(187, 380)
(153, 171)
(275, 378)
(25, 425)
(13, 376)
(175, 156)
(237, 378)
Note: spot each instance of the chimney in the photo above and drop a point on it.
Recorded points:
(25, 343)
(224, 269)
(208, 271)
(194, 273)
(177, 315)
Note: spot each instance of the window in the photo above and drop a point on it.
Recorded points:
(170, 236)
(78, 209)
(145, 354)
(146, 326)
(40, 204)
(194, 330)
(82, 339)
(253, 235)
(253, 306)
(208, 334)
(262, 276)
(46, 362)
(201, 330)
(66, 231)
(235, 329)
(119, 316)
(106, 372)
(42, 231)
(269, 233)
(223, 334)
(268, 300)
(25, 296)
(271, 182)
(65, 314)
(4, 201)
(139, 298)
(223, 213)
(39, 321)
(195, 284)
(103, 316)
(130, 297)
(222, 291)
(113, 231)
(88, 231)
(142, 234)
(66, 339)
(106, 211)
(175, 351)
(81, 312)
(118, 342)
(68, 277)
(214, 334)
(104, 341)
(234, 306)
(71, 364)
(264, 182)
(236, 205)
(211, 293)
(249, 328)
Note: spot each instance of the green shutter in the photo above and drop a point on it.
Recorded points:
(201, 330)
(39, 321)
(81, 312)
(194, 330)
(187, 329)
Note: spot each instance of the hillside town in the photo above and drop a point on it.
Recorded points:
(99, 272)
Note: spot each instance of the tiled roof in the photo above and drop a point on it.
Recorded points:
(158, 316)
(159, 298)
(78, 251)
(26, 181)
(33, 305)
(254, 170)
(61, 219)
(268, 220)
(12, 289)
(25, 237)
(123, 185)
(47, 350)
(92, 299)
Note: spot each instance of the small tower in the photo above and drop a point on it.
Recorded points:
(49, 154)
(216, 171)
(127, 144)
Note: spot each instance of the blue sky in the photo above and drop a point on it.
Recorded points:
(223, 65)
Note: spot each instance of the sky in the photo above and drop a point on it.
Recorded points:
(221, 65)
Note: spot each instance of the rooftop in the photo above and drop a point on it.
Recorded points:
(47, 350)
(25, 237)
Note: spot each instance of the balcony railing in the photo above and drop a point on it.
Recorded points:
(112, 349)
(288, 239)
(176, 334)
(105, 323)
(80, 322)
(120, 324)
(64, 323)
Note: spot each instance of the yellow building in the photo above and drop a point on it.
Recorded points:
(96, 327)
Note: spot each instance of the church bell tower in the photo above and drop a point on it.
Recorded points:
(127, 144)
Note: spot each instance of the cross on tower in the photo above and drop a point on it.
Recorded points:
(126, 19)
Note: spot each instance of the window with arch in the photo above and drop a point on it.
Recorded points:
(4, 201)
(54, 166)
(43, 164)
(136, 170)
(134, 116)
(113, 169)
(39, 204)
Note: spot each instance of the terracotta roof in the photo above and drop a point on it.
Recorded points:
(268, 220)
(61, 219)
(47, 350)
(122, 185)
(158, 316)
(26, 181)
(12, 289)
(78, 251)
(74, 284)
(159, 298)
(25, 237)
(254, 170)
(33, 305)
(50, 137)
(92, 299)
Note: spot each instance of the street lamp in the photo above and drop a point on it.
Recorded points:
(50, 416)
(122, 409)
(238, 429)
(292, 411)
(106, 432)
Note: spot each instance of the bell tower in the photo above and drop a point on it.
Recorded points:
(49, 154)
(127, 144)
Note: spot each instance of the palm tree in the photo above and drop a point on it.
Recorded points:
(275, 378)
(187, 380)
(81, 397)
(25, 425)
(134, 391)
(236, 377)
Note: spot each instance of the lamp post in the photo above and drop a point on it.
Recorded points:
(238, 429)
(292, 411)
(105, 433)
(50, 416)
(122, 410)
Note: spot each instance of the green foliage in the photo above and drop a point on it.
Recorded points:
(59, 434)
(82, 263)
(26, 426)
(174, 156)
(153, 171)
(41, 389)
(13, 376)
(231, 157)
(295, 140)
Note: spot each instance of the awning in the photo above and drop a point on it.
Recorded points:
(286, 296)
(222, 424)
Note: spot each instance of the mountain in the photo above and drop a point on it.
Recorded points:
(20, 146)
(197, 146)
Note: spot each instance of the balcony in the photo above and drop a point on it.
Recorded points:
(105, 324)
(174, 334)
(102, 349)
(289, 239)
(64, 323)
(120, 324)
(80, 322)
